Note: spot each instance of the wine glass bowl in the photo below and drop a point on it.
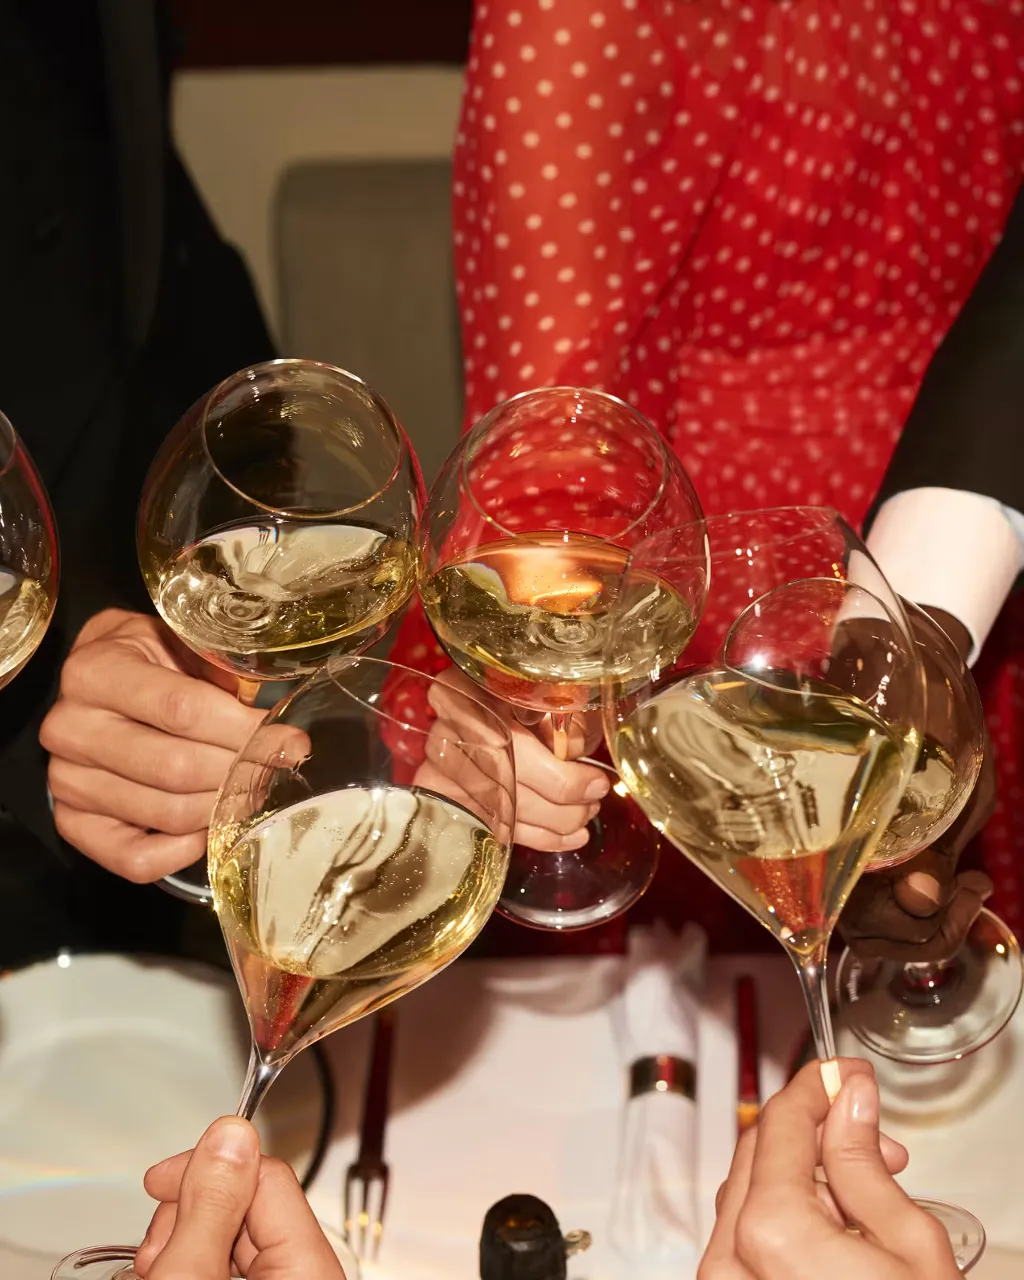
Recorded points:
(774, 771)
(29, 556)
(277, 523)
(952, 748)
(940, 1011)
(525, 536)
(352, 855)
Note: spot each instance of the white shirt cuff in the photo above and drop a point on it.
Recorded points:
(952, 550)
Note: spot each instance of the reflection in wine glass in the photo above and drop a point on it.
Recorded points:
(524, 539)
(277, 526)
(29, 557)
(927, 1013)
(352, 856)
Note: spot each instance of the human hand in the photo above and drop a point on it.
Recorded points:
(139, 746)
(776, 1221)
(555, 799)
(226, 1211)
(923, 909)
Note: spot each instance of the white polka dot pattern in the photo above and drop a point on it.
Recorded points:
(754, 220)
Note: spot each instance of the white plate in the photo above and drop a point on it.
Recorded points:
(108, 1064)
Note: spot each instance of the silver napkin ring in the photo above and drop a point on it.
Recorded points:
(663, 1074)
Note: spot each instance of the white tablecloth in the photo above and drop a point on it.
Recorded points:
(506, 1080)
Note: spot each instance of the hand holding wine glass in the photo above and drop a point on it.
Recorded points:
(353, 856)
(555, 799)
(139, 745)
(259, 1223)
(776, 1221)
(944, 988)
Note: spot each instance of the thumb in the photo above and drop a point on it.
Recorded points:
(857, 1174)
(216, 1190)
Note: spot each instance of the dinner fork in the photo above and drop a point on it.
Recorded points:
(366, 1180)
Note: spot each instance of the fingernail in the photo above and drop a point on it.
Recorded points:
(232, 1140)
(926, 885)
(861, 1100)
(577, 840)
(597, 790)
(592, 811)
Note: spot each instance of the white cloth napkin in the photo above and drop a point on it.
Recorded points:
(654, 1212)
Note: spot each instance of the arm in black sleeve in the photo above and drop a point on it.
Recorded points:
(965, 429)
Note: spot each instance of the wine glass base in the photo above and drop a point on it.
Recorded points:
(941, 1094)
(563, 892)
(190, 884)
(964, 1006)
(105, 1262)
(966, 1234)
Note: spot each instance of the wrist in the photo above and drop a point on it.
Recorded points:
(953, 628)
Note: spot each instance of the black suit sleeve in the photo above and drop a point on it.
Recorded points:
(965, 429)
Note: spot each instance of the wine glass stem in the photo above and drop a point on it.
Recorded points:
(248, 691)
(258, 1079)
(560, 734)
(813, 983)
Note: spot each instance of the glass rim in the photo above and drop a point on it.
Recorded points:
(329, 670)
(824, 516)
(8, 437)
(243, 376)
(93, 1255)
(846, 586)
(490, 419)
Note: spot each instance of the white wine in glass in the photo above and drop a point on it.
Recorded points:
(29, 558)
(277, 523)
(530, 615)
(774, 792)
(352, 856)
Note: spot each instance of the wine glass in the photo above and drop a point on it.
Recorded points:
(940, 1011)
(29, 557)
(776, 764)
(353, 856)
(277, 527)
(523, 543)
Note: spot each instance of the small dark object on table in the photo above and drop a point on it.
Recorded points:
(521, 1240)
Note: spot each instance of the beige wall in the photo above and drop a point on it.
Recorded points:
(240, 130)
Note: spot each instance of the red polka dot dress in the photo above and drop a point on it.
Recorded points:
(754, 220)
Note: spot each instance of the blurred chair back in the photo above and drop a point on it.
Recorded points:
(365, 272)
